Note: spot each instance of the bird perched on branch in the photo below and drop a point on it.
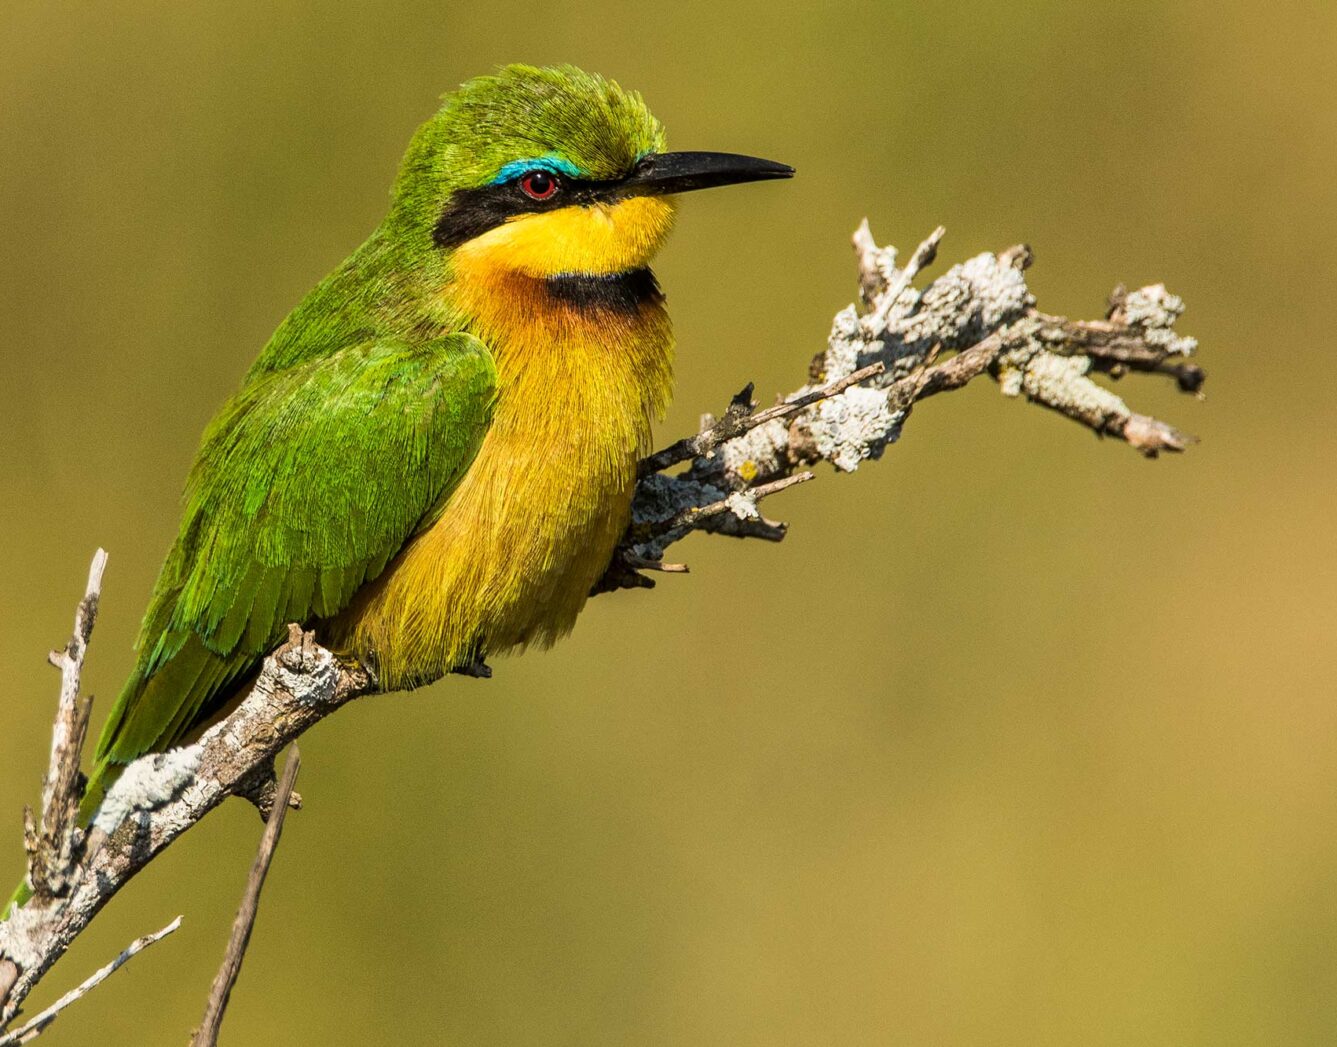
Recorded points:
(433, 458)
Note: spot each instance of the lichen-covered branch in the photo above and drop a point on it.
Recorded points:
(895, 347)
(160, 796)
(898, 345)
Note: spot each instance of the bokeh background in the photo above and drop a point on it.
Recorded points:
(1017, 739)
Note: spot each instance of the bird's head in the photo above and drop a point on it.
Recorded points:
(547, 172)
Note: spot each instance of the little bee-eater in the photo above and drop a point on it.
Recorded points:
(434, 456)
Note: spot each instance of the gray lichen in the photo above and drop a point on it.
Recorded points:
(148, 784)
(853, 426)
(1154, 310)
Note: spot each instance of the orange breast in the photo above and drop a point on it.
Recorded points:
(531, 526)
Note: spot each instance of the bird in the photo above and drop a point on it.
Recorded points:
(433, 458)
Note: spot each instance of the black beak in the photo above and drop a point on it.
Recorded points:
(661, 173)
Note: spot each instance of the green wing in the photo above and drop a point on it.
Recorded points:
(307, 483)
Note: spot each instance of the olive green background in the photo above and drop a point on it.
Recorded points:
(1017, 739)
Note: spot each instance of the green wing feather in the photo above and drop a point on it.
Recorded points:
(307, 483)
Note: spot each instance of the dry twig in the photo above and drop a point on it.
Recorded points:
(221, 991)
(53, 845)
(38, 1025)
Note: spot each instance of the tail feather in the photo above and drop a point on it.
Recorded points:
(19, 898)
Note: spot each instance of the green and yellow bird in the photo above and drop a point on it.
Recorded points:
(434, 456)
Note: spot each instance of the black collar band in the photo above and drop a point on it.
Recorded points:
(617, 292)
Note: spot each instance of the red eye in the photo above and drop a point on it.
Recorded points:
(539, 185)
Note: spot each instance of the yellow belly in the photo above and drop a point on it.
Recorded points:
(531, 526)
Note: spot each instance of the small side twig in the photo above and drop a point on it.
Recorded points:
(889, 300)
(640, 563)
(739, 500)
(738, 420)
(33, 1029)
(53, 843)
(207, 1034)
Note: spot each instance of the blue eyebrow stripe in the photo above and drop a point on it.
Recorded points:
(549, 162)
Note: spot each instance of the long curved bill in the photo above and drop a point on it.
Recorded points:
(661, 173)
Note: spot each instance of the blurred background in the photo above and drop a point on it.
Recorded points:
(1017, 739)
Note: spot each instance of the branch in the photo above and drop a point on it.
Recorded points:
(160, 796)
(895, 347)
(207, 1034)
